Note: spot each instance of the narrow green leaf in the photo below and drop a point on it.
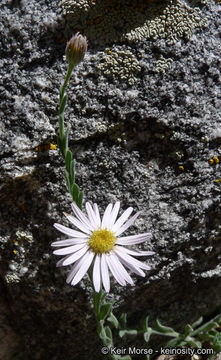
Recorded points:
(101, 329)
(108, 332)
(61, 141)
(174, 342)
(113, 320)
(165, 329)
(127, 332)
(206, 327)
(217, 343)
(66, 140)
(188, 330)
(103, 297)
(123, 320)
(80, 199)
(75, 192)
(72, 171)
(61, 125)
(67, 181)
(96, 298)
(197, 322)
(63, 104)
(193, 342)
(145, 323)
(213, 332)
(103, 335)
(147, 334)
(104, 311)
(68, 159)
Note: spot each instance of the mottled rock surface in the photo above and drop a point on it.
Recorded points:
(146, 143)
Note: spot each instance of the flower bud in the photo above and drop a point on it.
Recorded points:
(76, 49)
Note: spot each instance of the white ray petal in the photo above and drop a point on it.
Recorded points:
(88, 258)
(121, 270)
(97, 214)
(106, 217)
(114, 213)
(139, 253)
(81, 216)
(70, 232)
(97, 273)
(133, 239)
(79, 224)
(69, 249)
(68, 242)
(135, 262)
(122, 219)
(72, 258)
(130, 266)
(127, 224)
(61, 261)
(74, 270)
(91, 215)
(114, 271)
(105, 273)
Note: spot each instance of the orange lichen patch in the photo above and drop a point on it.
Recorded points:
(214, 160)
(45, 147)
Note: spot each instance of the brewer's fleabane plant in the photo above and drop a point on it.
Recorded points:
(97, 248)
(99, 245)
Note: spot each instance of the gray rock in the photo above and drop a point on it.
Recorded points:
(147, 145)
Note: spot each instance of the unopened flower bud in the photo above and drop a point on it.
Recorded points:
(76, 49)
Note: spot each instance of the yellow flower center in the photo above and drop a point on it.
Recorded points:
(102, 241)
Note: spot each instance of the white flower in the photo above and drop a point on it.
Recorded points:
(98, 244)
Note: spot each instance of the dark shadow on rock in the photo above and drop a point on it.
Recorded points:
(53, 325)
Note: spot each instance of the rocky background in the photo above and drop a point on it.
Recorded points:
(144, 113)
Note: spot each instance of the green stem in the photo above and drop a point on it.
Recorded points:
(72, 187)
(67, 77)
(62, 91)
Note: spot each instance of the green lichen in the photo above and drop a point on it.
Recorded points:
(163, 64)
(133, 20)
(120, 64)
